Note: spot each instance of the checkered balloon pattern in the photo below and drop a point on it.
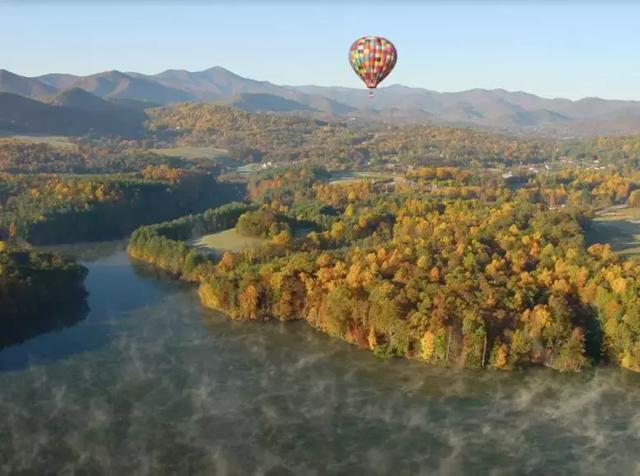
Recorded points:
(372, 58)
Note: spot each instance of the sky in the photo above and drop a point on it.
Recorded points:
(571, 49)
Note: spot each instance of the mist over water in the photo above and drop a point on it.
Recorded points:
(150, 383)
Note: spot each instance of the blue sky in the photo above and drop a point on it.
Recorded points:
(570, 49)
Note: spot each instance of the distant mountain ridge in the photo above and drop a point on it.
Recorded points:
(516, 112)
(72, 112)
(30, 87)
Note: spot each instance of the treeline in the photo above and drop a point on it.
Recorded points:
(275, 137)
(264, 223)
(33, 288)
(255, 137)
(56, 208)
(502, 283)
(576, 187)
(267, 137)
(286, 183)
(588, 187)
(290, 139)
(165, 244)
(19, 157)
(471, 285)
(621, 150)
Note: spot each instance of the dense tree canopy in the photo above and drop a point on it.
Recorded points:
(463, 247)
(56, 208)
(343, 145)
(497, 279)
(24, 157)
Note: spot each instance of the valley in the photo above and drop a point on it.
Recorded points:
(319, 238)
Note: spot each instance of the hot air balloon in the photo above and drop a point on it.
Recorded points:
(372, 58)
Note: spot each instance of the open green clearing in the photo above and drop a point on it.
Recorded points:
(53, 141)
(620, 227)
(227, 240)
(192, 153)
(249, 169)
(351, 177)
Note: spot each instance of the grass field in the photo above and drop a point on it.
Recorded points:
(618, 226)
(227, 240)
(53, 141)
(191, 153)
(249, 169)
(351, 177)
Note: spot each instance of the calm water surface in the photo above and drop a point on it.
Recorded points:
(150, 383)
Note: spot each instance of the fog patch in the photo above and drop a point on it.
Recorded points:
(177, 390)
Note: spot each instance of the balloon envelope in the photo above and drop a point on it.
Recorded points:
(372, 58)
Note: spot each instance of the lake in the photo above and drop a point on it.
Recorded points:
(148, 382)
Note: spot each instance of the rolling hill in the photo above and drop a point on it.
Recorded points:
(515, 112)
(114, 84)
(72, 112)
(257, 102)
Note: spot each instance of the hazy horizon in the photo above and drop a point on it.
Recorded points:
(569, 50)
(383, 86)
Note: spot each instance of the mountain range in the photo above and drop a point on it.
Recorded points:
(72, 112)
(114, 95)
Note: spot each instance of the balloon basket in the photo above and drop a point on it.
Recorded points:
(371, 95)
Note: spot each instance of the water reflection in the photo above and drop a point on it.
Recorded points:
(179, 390)
(17, 331)
(115, 288)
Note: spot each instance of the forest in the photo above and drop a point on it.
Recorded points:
(85, 157)
(463, 247)
(427, 268)
(90, 189)
(50, 208)
(337, 143)
(341, 145)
